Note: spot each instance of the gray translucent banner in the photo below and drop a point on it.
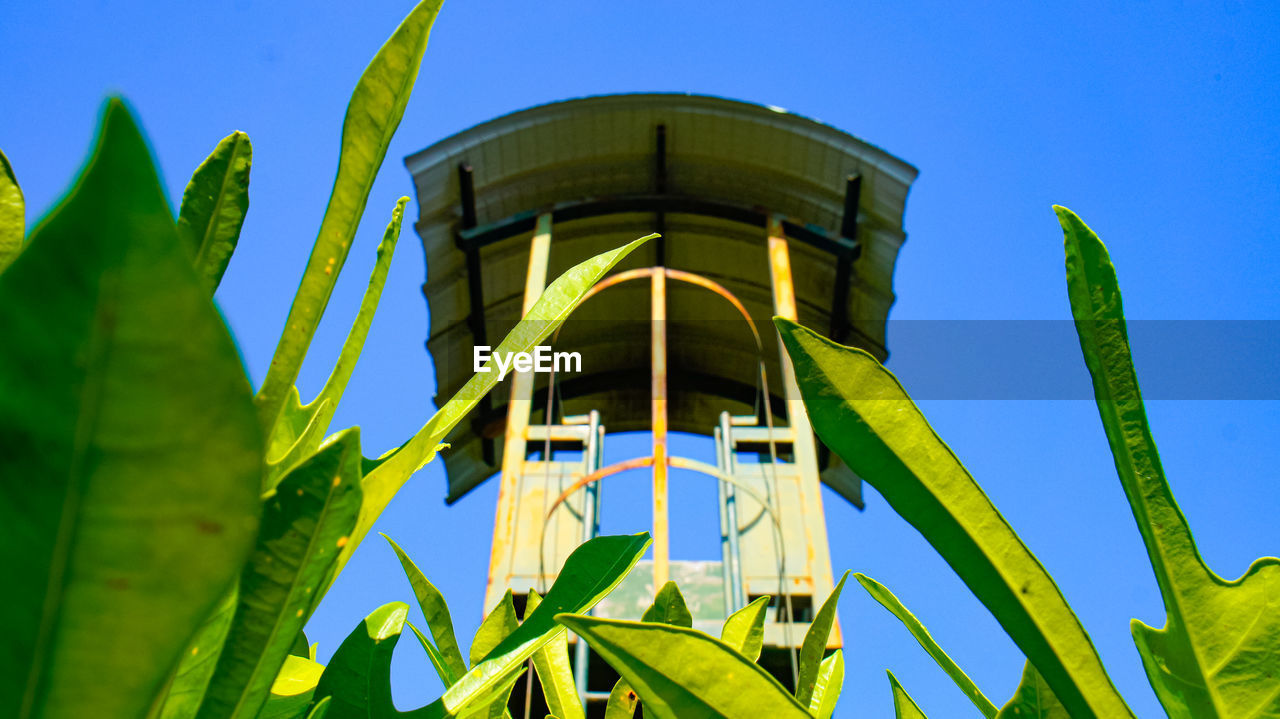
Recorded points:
(944, 359)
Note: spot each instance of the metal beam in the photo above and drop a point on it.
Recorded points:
(803, 442)
(666, 203)
(658, 389)
(475, 286)
(844, 261)
(660, 187)
(518, 410)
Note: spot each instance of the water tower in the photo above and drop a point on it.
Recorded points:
(762, 212)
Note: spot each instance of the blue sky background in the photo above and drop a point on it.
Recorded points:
(1155, 121)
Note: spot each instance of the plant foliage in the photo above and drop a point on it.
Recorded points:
(171, 532)
(1218, 654)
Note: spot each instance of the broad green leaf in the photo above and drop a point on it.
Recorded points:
(815, 643)
(384, 479)
(304, 525)
(497, 626)
(1218, 654)
(358, 677)
(292, 690)
(301, 647)
(904, 706)
(12, 214)
(681, 672)
(498, 697)
(669, 608)
(129, 496)
(300, 428)
(554, 673)
(447, 677)
(862, 413)
(373, 114)
(622, 702)
(214, 205)
(744, 629)
(436, 611)
(357, 680)
(826, 691)
(191, 678)
(1033, 699)
(590, 572)
(881, 594)
(320, 710)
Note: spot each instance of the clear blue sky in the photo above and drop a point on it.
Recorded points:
(1155, 121)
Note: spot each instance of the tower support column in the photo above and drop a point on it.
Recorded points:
(803, 443)
(658, 322)
(519, 407)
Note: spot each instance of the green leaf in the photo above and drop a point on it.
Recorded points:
(622, 702)
(590, 572)
(214, 205)
(436, 611)
(815, 643)
(668, 608)
(326, 403)
(681, 672)
(881, 594)
(1033, 699)
(550, 311)
(12, 214)
(300, 428)
(300, 647)
(904, 706)
(498, 624)
(826, 691)
(373, 114)
(447, 677)
(358, 677)
(304, 525)
(1219, 652)
(744, 629)
(292, 690)
(130, 469)
(357, 680)
(862, 413)
(296, 436)
(320, 710)
(554, 673)
(191, 679)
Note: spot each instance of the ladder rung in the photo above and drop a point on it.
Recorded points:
(596, 696)
(557, 433)
(743, 420)
(761, 435)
